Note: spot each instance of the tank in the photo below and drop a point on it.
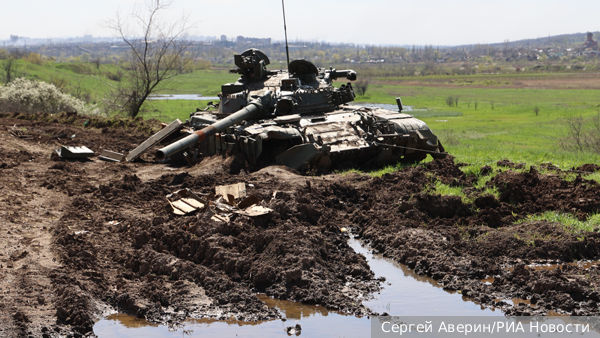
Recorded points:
(297, 118)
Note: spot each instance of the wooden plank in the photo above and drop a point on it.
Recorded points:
(193, 202)
(154, 139)
(181, 205)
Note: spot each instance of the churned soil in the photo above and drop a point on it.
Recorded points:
(82, 239)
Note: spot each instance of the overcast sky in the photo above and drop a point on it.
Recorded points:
(400, 22)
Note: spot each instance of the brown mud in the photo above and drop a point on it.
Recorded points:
(85, 238)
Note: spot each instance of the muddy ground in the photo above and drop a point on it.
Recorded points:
(83, 238)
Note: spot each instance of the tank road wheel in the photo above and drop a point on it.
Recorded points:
(415, 157)
(324, 162)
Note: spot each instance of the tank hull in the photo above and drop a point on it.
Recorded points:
(348, 136)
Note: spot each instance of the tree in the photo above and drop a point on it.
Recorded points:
(156, 49)
(9, 68)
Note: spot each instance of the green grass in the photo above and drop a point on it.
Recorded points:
(427, 113)
(595, 176)
(446, 190)
(205, 82)
(569, 222)
(510, 130)
(390, 169)
(169, 110)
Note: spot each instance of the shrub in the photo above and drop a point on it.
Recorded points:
(452, 101)
(28, 96)
(361, 86)
(582, 134)
(34, 58)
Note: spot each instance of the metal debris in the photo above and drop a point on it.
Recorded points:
(217, 207)
(185, 201)
(74, 152)
(108, 155)
(154, 139)
(256, 210)
(236, 190)
(17, 132)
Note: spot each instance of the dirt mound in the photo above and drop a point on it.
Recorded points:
(590, 168)
(109, 124)
(87, 236)
(534, 193)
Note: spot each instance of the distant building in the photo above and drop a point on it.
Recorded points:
(253, 41)
(590, 43)
(224, 42)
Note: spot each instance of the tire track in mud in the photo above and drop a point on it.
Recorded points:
(26, 294)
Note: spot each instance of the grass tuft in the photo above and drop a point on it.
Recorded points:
(569, 222)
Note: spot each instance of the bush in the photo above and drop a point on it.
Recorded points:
(34, 58)
(28, 96)
(361, 87)
(452, 101)
(582, 134)
(118, 76)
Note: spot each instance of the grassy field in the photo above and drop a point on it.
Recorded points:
(497, 123)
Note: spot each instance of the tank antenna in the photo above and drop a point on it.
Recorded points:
(287, 49)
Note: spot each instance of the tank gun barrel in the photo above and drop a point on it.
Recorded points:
(254, 110)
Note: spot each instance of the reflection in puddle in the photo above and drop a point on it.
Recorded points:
(295, 310)
(130, 322)
(315, 323)
(404, 293)
(516, 301)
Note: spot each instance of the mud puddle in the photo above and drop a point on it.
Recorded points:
(184, 97)
(549, 267)
(315, 321)
(403, 293)
(406, 293)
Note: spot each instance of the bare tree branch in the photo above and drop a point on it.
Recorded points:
(156, 49)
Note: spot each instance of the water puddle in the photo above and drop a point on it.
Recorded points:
(550, 267)
(315, 321)
(383, 105)
(516, 301)
(184, 97)
(403, 293)
(407, 294)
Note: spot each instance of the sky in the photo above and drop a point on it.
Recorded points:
(379, 22)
